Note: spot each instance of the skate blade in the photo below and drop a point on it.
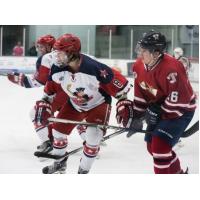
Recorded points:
(60, 172)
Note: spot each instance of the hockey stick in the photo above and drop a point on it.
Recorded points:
(58, 120)
(193, 129)
(56, 157)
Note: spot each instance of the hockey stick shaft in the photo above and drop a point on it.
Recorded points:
(58, 120)
(193, 129)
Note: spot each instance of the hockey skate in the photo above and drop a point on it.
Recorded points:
(45, 147)
(81, 171)
(58, 167)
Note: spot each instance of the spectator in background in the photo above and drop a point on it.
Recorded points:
(18, 50)
(32, 51)
(178, 54)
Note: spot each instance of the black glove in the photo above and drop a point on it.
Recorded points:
(136, 126)
(152, 115)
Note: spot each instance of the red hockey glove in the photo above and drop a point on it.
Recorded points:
(124, 113)
(17, 78)
(43, 112)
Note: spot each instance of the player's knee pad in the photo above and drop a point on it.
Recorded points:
(60, 142)
(93, 136)
(160, 145)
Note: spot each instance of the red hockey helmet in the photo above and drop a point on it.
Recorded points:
(69, 43)
(46, 40)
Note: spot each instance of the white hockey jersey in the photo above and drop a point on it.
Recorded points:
(92, 85)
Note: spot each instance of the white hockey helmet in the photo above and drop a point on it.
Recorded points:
(178, 52)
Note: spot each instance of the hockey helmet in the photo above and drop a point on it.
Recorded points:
(153, 41)
(69, 43)
(46, 40)
(178, 52)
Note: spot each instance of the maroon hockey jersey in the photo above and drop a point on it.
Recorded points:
(166, 84)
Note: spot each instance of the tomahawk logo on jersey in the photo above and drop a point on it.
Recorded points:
(165, 83)
(92, 85)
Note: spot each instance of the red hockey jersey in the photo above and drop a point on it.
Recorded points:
(166, 84)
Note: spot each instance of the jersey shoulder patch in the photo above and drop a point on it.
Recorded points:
(101, 71)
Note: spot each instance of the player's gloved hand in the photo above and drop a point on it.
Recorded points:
(136, 126)
(43, 112)
(152, 115)
(17, 78)
(124, 112)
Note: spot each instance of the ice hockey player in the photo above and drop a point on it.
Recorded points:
(178, 54)
(89, 85)
(38, 79)
(43, 63)
(163, 97)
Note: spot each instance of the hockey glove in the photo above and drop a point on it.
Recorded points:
(152, 115)
(17, 78)
(136, 126)
(43, 112)
(124, 112)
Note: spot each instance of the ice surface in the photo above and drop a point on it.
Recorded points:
(121, 155)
